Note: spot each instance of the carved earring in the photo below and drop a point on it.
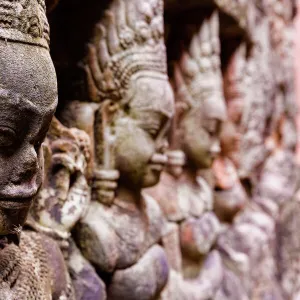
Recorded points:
(105, 178)
(176, 162)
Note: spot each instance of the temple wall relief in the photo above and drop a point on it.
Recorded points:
(168, 171)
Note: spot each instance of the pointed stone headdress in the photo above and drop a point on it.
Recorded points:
(197, 74)
(127, 41)
(24, 21)
(235, 74)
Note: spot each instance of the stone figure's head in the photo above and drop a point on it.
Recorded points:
(28, 98)
(126, 72)
(200, 105)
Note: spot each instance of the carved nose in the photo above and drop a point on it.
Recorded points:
(26, 175)
(162, 146)
(27, 169)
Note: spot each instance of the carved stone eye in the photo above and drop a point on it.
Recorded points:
(7, 136)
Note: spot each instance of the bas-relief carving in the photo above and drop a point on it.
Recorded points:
(28, 93)
(185, 197)
(230, 196)
(273, 194)
(63, 201)
(277, 179)
(268, 194)
(248, 243)
(252, 228)
(243, 12)
(288, 246)
(257, 106)
(280, 165)
(119, 229)
(127, 81)
(65, 195)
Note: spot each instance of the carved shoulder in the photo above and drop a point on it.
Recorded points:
(97, 239)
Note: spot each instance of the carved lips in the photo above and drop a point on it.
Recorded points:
(15, 203)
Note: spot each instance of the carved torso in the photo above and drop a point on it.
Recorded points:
(34, 270)
(126, 232)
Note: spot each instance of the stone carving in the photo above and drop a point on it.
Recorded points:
(288, 247)
(185, 197)
(28, 93)
(268, 157)
(127, 81)
(220, 224)
(24, 21)
(230, 196)
(242, 11)
(277, 178)
(249, 242)
(257, 109)
(64, 200)
(65, 195)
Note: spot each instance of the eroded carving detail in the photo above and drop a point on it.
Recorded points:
(126, 75)
(184, 196)
(28, 92)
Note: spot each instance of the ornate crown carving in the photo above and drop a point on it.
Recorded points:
(197, 75)
(129, 39)
(235, 74)
(24, 21)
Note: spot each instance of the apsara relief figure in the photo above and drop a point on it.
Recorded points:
(230, 196)
(185, 197)
(127, 77)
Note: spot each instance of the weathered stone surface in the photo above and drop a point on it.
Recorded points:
(221, 223)
(132, 283)
(32, 265)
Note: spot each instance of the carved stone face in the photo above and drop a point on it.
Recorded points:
(141, 133)
(200, 138)
(28, 98)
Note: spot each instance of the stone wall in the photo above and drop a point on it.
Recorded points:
(170, 167)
